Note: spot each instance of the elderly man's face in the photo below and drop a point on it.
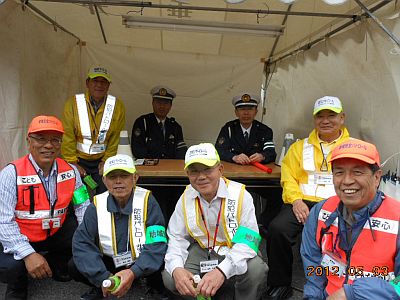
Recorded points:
(45, 146)
(161, 107)
(328, 124)
(246, 115)
(120, 184)
(98, 87)
(205, 179)
(354, 182)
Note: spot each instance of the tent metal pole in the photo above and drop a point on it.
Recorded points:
(320, 39)
(378, 22)
(47, 18)
(143, 4)
(100, 23)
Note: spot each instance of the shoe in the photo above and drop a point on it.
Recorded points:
(61, 276)
(279, 293)
(14, 293)
(93, 294)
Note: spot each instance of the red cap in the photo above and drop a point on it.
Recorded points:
(45, 123)
(357, 149)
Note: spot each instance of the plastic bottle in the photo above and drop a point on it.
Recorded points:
(112, 283)
(196, 281)
(288, 141)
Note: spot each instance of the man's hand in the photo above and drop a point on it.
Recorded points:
(210, 283)
(81, 170)
(101, 167)
(257, 157)
(127, 278)
(338, 295)
(184, 282)
(37, 266)
(241, 159)
(300, 210)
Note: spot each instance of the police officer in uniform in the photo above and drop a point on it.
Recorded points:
(155, 135)
(246, 140)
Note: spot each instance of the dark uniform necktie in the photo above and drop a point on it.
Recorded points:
(246, 136)
(162, 128)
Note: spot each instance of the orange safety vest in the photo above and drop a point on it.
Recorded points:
(368, 257)
(33, 207)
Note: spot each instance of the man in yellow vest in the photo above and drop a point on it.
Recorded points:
(351, 241)
(122, 233)
(92, 123)
(306, 179)
(38, 192)
(213, 232)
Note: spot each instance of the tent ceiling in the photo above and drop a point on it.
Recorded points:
(81, 19)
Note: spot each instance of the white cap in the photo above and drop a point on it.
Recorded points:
(162, 92)
(245, 99)
(119, 162)
(204, 153)
(196, 279)
(106, 283)
(328, 102)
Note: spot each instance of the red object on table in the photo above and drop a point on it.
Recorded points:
(262, 167)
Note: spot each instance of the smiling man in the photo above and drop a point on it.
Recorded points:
(36, 227)
(122, 233)
(245, 139)
(155, 135)
(213, 231)
(350, 245)
(306, 179)
(92, 123)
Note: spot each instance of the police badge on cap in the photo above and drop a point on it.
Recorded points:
(162, 92)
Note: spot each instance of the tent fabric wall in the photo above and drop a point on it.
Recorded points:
(204, 84)
(39, 67)
(356, 66)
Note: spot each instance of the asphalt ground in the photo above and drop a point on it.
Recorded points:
(49, 289)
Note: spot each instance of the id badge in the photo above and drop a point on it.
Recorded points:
(51, 223)
(323, 179)
(98, 147)
(208, 265)
(46, 224)
(56, 222)
(123, 259)
(335, 265)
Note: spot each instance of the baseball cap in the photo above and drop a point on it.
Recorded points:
(163, 92)
(45, 123)
(328, 102)
(204, 153)
(357, 149)
(119, 162)
(245, 99)
(99, 72)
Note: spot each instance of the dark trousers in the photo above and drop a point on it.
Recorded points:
(92, 168)
(57, 249)
(283, 232)
(154, 280)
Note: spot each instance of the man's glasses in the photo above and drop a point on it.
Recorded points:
(56, 142)
(194, 172)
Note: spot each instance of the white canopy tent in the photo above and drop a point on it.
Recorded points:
(42, 66)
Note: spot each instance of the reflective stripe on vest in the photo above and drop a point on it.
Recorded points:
(231, 209)
(311, 188)
(33, 204)
(370, 256)
(86, 145)
(137, 223)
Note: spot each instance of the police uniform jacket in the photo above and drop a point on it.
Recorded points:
(231, 141)
(148, 140)
(85, 245)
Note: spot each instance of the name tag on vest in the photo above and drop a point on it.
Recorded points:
(123, 259)
(320, 178)
(23, 180)
(51, 223)
(98, 147)
(208, 265)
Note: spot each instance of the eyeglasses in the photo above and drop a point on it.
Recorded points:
(56, 142)
(196, 172)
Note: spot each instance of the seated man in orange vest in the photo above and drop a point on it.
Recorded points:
(36, 193)
(220, 239)
(350, 245)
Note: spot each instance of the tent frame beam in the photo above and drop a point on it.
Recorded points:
(143, 4)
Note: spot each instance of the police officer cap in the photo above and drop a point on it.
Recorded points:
(245, 99)
(162, 92)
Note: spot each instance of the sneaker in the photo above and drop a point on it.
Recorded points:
(93, 294)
